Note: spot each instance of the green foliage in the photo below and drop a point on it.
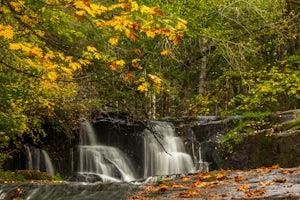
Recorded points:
(10, 176)
(295, 124)
(200, 105)
(57, 177)
(247, 124)
(34, 175)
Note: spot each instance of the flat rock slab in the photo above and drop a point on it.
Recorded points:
(262, 183)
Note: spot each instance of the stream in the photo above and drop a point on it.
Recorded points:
(66, 191)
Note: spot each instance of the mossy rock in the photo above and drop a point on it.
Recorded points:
(10, 176)
(35, 175)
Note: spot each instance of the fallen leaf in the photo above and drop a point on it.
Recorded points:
(257, 192)
(205, 185)
(267, 183)
(223, 195)
(280, 180)
(161, 188)
(221, 175)
(238, 178)
(268, 169)
(288, 172)
(167, 179)
(175, 185)
(242, 187)
(185, 178)
(136, 197)
(190, 192)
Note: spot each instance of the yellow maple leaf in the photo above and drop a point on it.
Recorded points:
(113, 40)
(75, 65)
(6, 31)
(80, 14)
(140, 80)
(91, 49)
(80, 4)
(145, 9)
(52, 76)
(131, 34)
(49, 56)
(150, 34)
(16, 5)
(67, 70)
(181, 25)
(166, 53)
(26, 19)
(121, 63)
(36, 51)
(40, 33)
(134, 6)
(154, 79)
(143, 87)
(15, 46)
(136, 63)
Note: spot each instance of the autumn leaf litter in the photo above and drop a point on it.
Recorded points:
(262, 183)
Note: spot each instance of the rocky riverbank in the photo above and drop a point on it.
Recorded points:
(261, 183)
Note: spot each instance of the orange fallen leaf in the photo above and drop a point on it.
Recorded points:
(257, 192)
(175, 185)
(223, 195)
(280, 180)
(167, 179)
(238, 178)
(190, 192)
(267, 183)
(185, 178)
(136, 197)
(275, 166)
(205, 185)
(288, 172)
(161, 188)
(268, 169)
(242, 187)
(221, 175)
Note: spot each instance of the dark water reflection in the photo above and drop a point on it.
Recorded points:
(67, 191)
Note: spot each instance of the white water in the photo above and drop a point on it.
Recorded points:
(108, 163)
(169, 159)
(202, 165)
(37, 159)
(48, 163)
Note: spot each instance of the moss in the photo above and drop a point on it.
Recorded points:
(11, 176)
(294, 124)
(35, 175)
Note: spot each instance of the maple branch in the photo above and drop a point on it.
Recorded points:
(18, 70)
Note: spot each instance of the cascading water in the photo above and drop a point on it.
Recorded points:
(166, 153)
(37, 159)
(105, 162)
(202, 165)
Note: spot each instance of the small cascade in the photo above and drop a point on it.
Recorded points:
(201, 165)
(48, 163)
(37, 159)
(100, 162)
(166, 153)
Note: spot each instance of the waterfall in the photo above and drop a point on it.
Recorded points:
(166, 153)
(37, 159)
(108, 163)
(48, 163)
(201, 165)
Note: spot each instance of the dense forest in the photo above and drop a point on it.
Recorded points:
(60, 60)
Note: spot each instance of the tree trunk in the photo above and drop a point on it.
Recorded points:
(202, 76)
